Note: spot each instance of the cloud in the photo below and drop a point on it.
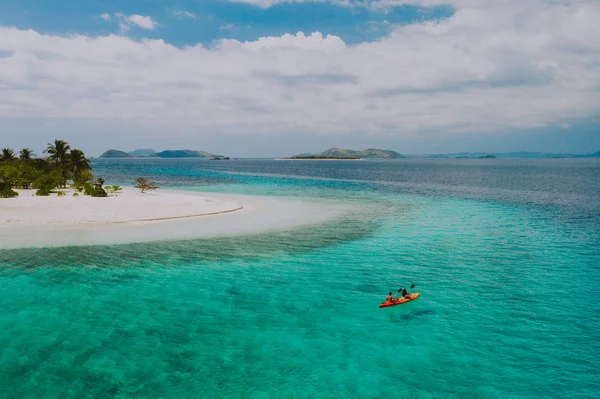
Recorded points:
(143, 22)
(227, 27)
(485, 68)
(126, 22)
(184, 14)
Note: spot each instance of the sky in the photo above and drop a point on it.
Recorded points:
(267, 78)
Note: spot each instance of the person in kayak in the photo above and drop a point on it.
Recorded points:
(405, 293)
(390, 298)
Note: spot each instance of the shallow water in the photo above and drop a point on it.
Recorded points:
(505, 253)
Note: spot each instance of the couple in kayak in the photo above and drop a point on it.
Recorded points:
(392, 298)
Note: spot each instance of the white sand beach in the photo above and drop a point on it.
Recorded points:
(128, 206)
(30, 221)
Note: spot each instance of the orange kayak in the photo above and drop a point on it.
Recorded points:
(400, 301)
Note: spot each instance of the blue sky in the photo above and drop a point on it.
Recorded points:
(278, 77)
(212, 20)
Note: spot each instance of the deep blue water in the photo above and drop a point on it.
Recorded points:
(506, 254)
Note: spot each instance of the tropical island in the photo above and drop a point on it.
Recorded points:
(56, 200)
(344, 154)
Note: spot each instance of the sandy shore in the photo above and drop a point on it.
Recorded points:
(128, 206)
(29, 221)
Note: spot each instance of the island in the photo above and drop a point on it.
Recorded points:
(506, 155)
(344, 154)
(115, 154)
(161, 154)
(142, 152)
(57, 201)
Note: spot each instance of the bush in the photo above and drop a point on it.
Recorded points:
(60, 194)
(88, 188)
(42, 192)
(8, 192)
(98, 192)
(75, 195)
(83, 177)
(113, 189)
(47, 182)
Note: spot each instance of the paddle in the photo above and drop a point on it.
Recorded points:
(411, 287)
(402, 289)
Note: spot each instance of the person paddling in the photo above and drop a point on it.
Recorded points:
(390, 298)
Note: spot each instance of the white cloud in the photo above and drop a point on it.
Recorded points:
(184, 14)
(491, 68)
(126, 22)
(227, 27)
(143, 22)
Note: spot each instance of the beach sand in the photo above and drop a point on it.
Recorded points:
(129, 205)
(30, 221)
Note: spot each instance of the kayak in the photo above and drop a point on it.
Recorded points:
(400, 301)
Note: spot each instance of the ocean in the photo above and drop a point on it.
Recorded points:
(505, 253)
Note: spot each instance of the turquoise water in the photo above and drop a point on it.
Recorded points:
(507, 258)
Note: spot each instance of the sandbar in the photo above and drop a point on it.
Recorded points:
(130, 216)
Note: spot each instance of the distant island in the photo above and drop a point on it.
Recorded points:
(488, 156)
(162, 154)
(506, 155)
(343, 154)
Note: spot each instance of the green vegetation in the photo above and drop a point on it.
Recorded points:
(114, 190)
(6, 191)
(62, 164)
(144, 184)
(7, 154)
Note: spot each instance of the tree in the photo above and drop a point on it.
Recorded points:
(48, 182)
(84, 176)
(7, 154)
(25, 153)
(79, 163)
(19, 175)
(58, 153)
(144, 184)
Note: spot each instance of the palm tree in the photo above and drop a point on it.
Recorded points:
(25, 153)
(7, 154)
(78, 163)
(59, 153)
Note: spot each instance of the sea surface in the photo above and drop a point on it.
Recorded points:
(505, 253)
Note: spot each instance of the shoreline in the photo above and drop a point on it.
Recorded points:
(131, 217)
(127, 206)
